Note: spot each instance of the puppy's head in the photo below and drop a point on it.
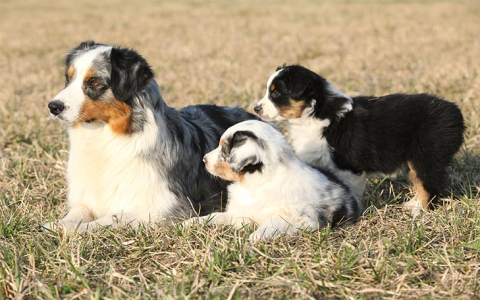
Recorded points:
(294, 92)
(100, 84)
(247, 148)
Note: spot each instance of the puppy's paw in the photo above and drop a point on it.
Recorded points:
(414, 207)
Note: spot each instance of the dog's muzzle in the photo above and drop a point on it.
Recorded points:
(258, 108)
(56, 107)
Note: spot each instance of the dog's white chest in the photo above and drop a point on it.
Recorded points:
(309, 144)
(107, 174)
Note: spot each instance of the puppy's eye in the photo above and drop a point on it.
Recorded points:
(274, 94)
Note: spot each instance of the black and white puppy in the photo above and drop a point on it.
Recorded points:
(352, 136)
(272, 187)
(132, 158)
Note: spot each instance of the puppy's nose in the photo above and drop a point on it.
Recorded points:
(56, 107)
(205, 159)
(257, 108)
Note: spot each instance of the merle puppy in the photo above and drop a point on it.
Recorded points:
(272, 187)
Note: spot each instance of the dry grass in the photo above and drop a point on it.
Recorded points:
(219, 52)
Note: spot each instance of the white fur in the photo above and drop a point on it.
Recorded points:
(73, 96)
(307, 139)
(311, 147)
(269, 111)
(284, 197)
(109, 179)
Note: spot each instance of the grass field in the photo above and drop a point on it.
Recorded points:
(223, 52)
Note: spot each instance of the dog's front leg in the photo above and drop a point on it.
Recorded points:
(77, 214)
(217, 219)
(111, 220)
(272, 227)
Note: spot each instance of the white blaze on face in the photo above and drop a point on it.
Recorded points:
(269, 111)
(73, 96)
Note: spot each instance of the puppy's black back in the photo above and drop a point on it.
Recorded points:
(381, 133)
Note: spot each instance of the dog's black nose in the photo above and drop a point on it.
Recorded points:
(204, 159)
(257, 108)
(56, 107)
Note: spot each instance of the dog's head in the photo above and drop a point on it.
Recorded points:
(294, 92)
(100, 84)
(247, 148)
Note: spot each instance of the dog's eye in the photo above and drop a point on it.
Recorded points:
(274, 94)
(93, 82)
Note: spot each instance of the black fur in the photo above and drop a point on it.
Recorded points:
(188, 177)
(381, 134)
(249, 164)
(130, 73)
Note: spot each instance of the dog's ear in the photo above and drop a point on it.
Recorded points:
(295, 83)
(334, 105)
(130, 73)
(244, 153)
(248, 164)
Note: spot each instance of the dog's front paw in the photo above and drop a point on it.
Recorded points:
(262, 235)
(52, 226)
(197, 221)
(63, 228)
(188, 223)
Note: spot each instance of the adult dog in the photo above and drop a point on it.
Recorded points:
(352, 136)
(272, 187)
(133, 158)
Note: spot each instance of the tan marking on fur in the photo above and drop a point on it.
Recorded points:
(293, 111)
(420, 193)
(115, 113)
(90, 73)
(222, 141)
(222, 169)
(70, 72)
(272, 87)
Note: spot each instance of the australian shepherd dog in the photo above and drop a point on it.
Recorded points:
(272, 187)
(352, 136)
(132, 158)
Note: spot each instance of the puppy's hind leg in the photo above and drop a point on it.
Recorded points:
(427, 180)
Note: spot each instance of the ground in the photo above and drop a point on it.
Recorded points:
(223, 52)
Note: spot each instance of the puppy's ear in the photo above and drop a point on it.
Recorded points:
(130, 73)
(244, 152)
(296, 84)
(237, 165)
(335, 104)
